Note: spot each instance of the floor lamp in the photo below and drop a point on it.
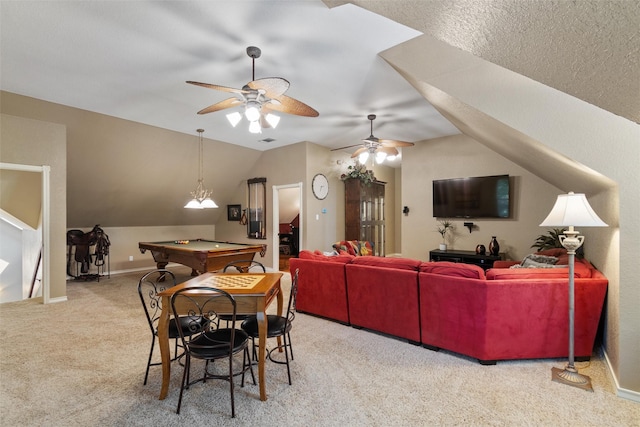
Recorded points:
(572, 210)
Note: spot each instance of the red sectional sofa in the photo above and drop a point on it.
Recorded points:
(383, 295)
(500, 314)
(323, 282)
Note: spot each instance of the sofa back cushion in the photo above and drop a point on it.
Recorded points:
(447, 268)
(344, 259)
(396, 263)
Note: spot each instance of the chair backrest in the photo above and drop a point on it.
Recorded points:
(293, 295)
(193, 305)
(149, 286)
(244, 266)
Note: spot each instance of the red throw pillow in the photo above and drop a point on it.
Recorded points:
(457, 269)
(366, 248)
(556, 252)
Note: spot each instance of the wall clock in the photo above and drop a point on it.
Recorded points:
(320, 186)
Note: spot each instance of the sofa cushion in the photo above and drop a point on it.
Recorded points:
(305, 254)
(527, 273)
(457, 269)
(397, 263)
(580, 270)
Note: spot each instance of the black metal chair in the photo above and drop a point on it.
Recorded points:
(149, 286)
(245, 266)
(242, 266)
(277, 326)
(213, 343)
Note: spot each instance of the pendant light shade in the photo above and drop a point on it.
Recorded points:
(201, 197)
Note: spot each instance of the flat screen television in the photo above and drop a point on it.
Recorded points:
(476, 197)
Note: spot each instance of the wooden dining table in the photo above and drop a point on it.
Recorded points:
(253, 294)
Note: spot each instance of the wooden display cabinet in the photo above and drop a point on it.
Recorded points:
(364, 213)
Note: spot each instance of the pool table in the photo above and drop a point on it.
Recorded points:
(201, 255)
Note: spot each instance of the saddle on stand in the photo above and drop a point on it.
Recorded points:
(83, 256)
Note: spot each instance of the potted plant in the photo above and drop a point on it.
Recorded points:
(551, 240)
(358, 171)
(443, 228)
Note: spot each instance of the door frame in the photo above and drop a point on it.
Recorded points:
(45, 172)
(275, 243)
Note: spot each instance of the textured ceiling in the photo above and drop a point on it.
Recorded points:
(589, 49)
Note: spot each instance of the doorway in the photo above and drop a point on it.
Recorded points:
(287, 211)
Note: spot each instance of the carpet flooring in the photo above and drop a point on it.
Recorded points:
(82, 363)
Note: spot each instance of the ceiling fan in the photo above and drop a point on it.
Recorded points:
(380, 148)
(260, 99)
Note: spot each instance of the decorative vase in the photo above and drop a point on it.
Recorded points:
(443, 246)
(481, 250)
(494, 246)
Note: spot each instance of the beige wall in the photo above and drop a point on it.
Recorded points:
(33, 142)
(123, 173)
(564, 141)
(124, 243)
(459, 156)
(21, 195)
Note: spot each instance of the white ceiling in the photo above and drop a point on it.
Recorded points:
(131, 60)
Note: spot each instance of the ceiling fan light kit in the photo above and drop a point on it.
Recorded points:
(381, 149)
(259, 98)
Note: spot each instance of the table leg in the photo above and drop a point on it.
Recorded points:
(262, 351)
(163, 342)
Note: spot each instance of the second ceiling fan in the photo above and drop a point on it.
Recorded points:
(260, 99)
(380, 148)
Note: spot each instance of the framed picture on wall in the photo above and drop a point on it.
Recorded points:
(234, 212)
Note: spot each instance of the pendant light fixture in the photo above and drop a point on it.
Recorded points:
(200, 197)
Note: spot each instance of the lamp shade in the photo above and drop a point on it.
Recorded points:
(362, 158)
(208, 203)
(193, 204)
(234, 118)
(572, 209)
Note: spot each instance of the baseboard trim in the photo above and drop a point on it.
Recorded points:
(620, 392)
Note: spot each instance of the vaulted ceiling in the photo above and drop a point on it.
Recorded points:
(131, 59)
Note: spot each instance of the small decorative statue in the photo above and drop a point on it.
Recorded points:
(481, 250)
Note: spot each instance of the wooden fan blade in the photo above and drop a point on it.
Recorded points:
(358, 151)
(286, 104)
(222, 105)
(272, 87)
(344, 148)
(390, 151)
(394, 143)
(218, 87)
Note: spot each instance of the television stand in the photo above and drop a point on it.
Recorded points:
(466, 257)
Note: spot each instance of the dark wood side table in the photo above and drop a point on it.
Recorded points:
(466, 257)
